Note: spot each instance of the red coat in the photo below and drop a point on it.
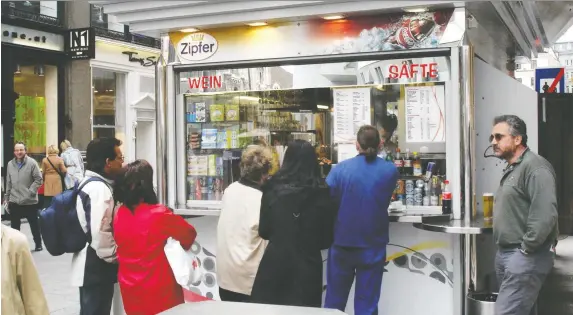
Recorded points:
(145, 278)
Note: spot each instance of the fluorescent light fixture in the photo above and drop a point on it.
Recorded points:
(257, 24)
(322, 106)
(189, 30)
(333, 17)
(416, 10)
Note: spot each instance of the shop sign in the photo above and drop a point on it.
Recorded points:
(206, 82)
(410, 70)
(197, 46)
(79, 43)
(32, 38)
(145, 62)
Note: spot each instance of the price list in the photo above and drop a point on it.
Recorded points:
(351, 111)
(425, 120)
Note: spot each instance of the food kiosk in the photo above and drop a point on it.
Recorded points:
(415, 76)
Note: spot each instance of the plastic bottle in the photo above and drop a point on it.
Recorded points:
(416, 165)
(446, 198)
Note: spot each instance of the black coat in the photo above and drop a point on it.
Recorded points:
(299, 223)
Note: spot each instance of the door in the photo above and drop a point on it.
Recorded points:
(556, 145)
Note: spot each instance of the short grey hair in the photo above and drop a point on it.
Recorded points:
(517, 126)
(255, 162)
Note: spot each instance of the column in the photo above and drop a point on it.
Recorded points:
(78, 82)
(51, 95)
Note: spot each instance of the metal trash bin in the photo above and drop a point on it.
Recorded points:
(481, 303)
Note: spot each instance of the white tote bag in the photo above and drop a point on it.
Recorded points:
(184, 264)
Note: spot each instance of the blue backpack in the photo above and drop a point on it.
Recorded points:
(59, 223)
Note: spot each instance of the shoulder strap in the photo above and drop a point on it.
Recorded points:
(95, 179)
(55, 168)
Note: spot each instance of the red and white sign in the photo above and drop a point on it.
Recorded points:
(206, 82)
(412, 70)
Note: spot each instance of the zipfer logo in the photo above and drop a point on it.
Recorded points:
(197, 46)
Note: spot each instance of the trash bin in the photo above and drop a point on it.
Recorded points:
(481, 303)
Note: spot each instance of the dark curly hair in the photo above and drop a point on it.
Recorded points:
(134, 185)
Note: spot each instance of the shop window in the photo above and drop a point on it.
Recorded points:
(222, 117)
(35, 107)
(108, 103)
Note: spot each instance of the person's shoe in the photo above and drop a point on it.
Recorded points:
(38, 248)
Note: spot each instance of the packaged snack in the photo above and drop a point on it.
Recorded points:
(200, 112)
(209, 139)
(217, 112)
(232, 112)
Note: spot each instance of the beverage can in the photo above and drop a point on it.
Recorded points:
(409, 186)
(420, 183)
(402, 198)
(409, 200)
(434, 200)
(400, 187)
(418, 196)
(426, 201)
(430, 170)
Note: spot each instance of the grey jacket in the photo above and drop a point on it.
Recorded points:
(525, 207)
(22, 183)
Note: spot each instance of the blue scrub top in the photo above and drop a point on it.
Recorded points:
(364, 191)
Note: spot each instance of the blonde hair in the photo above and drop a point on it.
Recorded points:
(255, 162)
(53, 149)
(65, 144)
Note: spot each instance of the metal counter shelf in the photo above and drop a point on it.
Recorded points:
(400, 217)
(457, 227)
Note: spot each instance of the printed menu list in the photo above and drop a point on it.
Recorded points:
(351, 111)
(425, 118)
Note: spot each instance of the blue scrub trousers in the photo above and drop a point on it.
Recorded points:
(367, 264)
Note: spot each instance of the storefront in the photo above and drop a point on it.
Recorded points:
(409, 74)
(123, 99)
(32, 90)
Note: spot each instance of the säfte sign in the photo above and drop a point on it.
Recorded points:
(411, 70)
(79, 43)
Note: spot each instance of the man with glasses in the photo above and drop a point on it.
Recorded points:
(525, 218)
(93, 268)
(23, 178)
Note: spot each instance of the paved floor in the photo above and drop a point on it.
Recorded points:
(555, 299)
(556, 296)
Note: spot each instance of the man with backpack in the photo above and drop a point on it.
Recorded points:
(94, 269)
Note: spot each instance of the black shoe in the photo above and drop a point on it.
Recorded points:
(38, 249)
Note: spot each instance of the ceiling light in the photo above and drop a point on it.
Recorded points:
(415, 10)
(189, 30)
(18, 69)
(322, 106)
(333, 17)
(257, 24)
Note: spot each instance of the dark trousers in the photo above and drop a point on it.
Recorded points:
(230, 296)
(96, 299)
(345, 263)
(47, 201)
(30, 212)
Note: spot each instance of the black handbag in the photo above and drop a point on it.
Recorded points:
(62, 176)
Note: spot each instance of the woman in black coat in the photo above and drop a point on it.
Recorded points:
(297, 217)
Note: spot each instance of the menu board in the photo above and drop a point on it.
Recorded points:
(346, 151)
(425, 114)
(351, 111)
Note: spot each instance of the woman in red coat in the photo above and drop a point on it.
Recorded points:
(141, 228)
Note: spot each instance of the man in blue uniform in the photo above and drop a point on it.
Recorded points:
(363, 186)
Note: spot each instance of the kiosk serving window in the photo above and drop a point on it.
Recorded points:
(227, 110)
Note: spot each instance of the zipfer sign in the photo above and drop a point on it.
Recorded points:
(197, 46)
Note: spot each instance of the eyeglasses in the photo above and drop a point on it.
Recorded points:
(497, 137)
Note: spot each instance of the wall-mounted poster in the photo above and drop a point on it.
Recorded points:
(425, 113)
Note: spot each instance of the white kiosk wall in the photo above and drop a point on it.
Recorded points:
(495, 93)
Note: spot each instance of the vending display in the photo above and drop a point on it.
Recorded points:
(220, 126)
